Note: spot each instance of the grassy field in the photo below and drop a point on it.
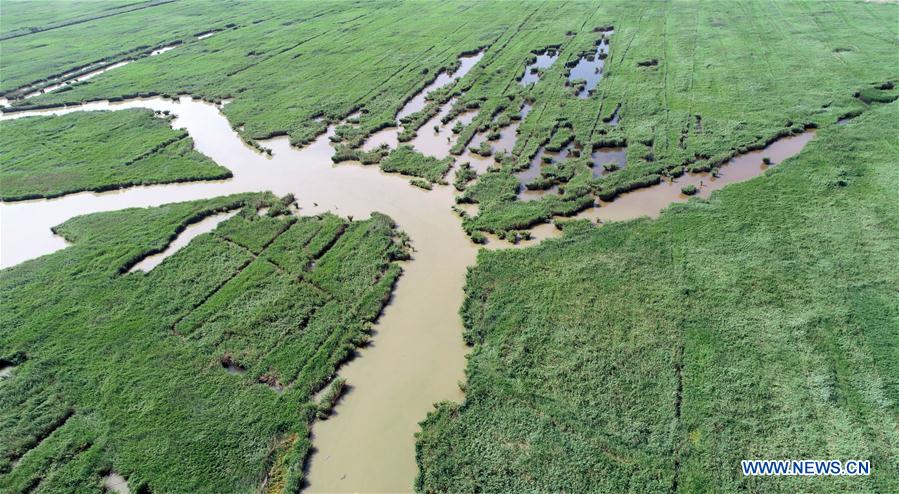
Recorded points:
(129, 370)
(725, 79)
(53, 156)
(28, 17)
(654, 355)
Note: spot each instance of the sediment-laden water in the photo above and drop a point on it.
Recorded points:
(417, 356)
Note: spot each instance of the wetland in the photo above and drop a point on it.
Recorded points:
(466, 266)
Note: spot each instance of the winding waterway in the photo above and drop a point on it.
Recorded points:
(418, 356)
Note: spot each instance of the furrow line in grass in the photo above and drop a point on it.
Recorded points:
(208, 296)
(678, 402)
(665, 75)
(266, 59)
(867, 6)
(277, 268)
(365, 97)
(325, 248)
(156, 149)
(553, 96)
(499, 49)
(81, 21)
(600, 91)
(237, 245)
(286, 226)
(276, 345)
(181, 227)
(543, 101)
(692, 75)
(312, 236)
(766, 54)
(564, 420)
(610, 83)
(43, 435)
(390, 77)
(313, 284)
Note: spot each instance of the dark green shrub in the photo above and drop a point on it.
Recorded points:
(408, 161)
(464, 175)
(420, 183)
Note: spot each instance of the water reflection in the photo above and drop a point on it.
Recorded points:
(615, 156)
(542, 61)
(589, 69)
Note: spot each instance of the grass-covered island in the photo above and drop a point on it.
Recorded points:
(198, 375)
(49, 156)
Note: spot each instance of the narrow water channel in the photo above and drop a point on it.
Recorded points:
(390, 136)
(418, 102)
(192, 231)
(83, 74)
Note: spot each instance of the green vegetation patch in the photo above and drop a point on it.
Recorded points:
(56, 155)
(653, 356)
(725, 81)
(197, 376)
(408, 161)
(254, 231)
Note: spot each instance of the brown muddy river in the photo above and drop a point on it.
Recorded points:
(417, 356)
